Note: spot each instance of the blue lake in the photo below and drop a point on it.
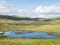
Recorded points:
(26, 34)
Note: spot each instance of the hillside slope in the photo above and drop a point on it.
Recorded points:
(31, 24)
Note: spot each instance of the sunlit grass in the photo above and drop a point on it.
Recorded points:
(20, 41)
(51, 26)
(46, 28)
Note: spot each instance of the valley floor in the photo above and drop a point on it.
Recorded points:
(53, 27)
(19, 41)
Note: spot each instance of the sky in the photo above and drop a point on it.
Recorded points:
(30, 8)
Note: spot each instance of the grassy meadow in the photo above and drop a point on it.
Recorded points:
(45, 26)
(20, 41)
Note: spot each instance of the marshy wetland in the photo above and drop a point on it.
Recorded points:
(27, 34)
(30, 32)
(23, 37)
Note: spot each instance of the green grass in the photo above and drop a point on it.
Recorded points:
(20, 41)
(47, 26)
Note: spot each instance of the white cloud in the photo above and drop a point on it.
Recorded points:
(41, 11)
(4, 7)
(20, 11)
(47, 9)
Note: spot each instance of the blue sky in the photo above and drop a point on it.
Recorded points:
(31, 8)
(32, 3)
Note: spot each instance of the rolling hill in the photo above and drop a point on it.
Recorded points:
(27, 23)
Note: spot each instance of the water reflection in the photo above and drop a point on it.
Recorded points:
(26, 34)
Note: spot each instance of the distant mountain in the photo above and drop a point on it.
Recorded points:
(27, 20)
(17, 18)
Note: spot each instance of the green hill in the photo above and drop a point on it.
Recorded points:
(30, 24)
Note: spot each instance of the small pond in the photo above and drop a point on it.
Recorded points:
(27, 34)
